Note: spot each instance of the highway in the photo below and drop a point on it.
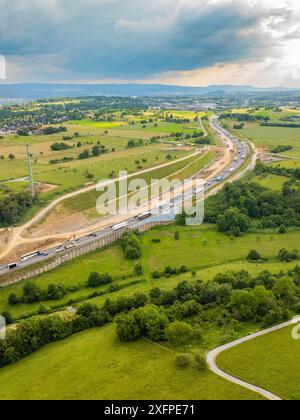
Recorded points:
(240, 152)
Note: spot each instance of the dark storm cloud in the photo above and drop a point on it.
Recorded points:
(135, 38)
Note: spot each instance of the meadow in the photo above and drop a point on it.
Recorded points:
(201, 249)
(270, 137)
(87, 201)
(95, 365)
(272, 182)
(271, 362)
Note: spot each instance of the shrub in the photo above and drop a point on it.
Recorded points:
(253, 256)
(138, 270)
(282, 230)
(201, 361)
(183, 361)
(96, 279)
(179, 333)
(13, 300)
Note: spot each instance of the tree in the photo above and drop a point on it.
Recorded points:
(138, 270)
(243, 305)
(254, 256)
(96, 279)
(13, 299)
(179, 333)
(177, 236)
(233, 222)
(31, 293)
(152, 322)
(285, 290)
(60, 146)
(96, 151)
(132, 143)
(84, 155)
(56, 291)
(11, 156)
(128, 328)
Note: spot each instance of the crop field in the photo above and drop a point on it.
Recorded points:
(95, 365)
(166, 128)
(204, 250)
(270, 137)
(271, 362)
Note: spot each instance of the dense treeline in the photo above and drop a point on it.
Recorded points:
(241, 206)
(14, 206)
(176, 315)
(280, 124)
(261, 169)
(230, 298)
(281, 148)
(32, 334)
(244, 117)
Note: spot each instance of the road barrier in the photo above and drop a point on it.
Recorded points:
(73, 253)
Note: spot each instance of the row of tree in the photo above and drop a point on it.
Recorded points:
(243, 205)
(14, 206)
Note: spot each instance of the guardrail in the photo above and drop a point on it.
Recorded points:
(73, 253)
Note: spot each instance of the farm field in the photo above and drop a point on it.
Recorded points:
(270, 137)
(72, 175)
(271, 362)
(204, 250)
(95, 365)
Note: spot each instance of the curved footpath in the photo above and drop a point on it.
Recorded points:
(214, 354)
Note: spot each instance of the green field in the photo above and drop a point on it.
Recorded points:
(64, 177)
(95, 365)
(202, 249)
(272, 182)
(87, 201)
(270, 137)
(271, 362)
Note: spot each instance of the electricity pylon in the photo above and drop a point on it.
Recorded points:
(31, 184)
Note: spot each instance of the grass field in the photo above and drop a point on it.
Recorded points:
(271, 362)
(272, 182)
(204, 250)
(270, 137)
(72, 175)
(88, 200)
(95, 365)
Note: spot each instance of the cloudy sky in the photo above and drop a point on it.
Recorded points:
(187, 42)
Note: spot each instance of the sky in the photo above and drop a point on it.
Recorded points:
(184, 42)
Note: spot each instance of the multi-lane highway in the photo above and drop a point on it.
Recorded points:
(240, 152)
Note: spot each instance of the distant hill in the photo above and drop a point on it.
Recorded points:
(41, 90)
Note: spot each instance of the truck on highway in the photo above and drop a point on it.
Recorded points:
(12, 266)
(31, 255)
(144, 216)
(120, 226)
